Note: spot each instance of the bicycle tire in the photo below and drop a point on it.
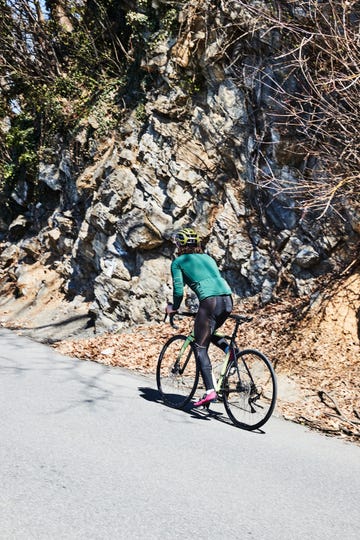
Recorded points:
(177, 372)
(250, 389)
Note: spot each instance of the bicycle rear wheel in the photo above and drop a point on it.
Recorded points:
(250, 389)
(177, 373)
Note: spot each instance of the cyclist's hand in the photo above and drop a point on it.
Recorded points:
(169, 309)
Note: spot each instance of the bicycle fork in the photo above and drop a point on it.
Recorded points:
(177, 369)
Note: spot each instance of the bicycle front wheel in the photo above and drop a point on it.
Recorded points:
(250, 389)
(177, 373)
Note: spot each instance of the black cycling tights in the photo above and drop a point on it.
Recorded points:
(212, 313)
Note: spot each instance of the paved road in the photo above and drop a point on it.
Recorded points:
(88, 452)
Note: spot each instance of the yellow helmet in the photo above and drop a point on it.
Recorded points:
(187, 237)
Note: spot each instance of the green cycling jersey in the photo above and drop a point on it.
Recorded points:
(201, 273)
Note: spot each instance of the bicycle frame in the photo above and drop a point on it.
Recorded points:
(229, 355)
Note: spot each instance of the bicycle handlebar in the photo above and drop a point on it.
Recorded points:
(172, 315)
(240, 318)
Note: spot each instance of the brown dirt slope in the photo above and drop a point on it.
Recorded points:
(33, 304)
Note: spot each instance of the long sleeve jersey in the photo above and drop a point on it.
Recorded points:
(201, 273)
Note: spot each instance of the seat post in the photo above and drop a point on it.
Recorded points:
(235, 331)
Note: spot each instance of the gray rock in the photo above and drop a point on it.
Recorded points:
(137, 231)
(9, 254)
(50, 175)
(307, 257)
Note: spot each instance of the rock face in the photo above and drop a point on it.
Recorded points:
(181, 162)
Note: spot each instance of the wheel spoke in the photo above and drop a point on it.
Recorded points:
(177, 374)
(250, 390)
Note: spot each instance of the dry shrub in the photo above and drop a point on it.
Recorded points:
(314, 53)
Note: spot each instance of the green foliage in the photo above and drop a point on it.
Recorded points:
(137, 21)
(102, 109)
(169, 22)
(21, 142)
(191, 84)
(140, 113)
(20, 136)
(7, 172)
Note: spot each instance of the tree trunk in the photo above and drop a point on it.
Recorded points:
(59, 15)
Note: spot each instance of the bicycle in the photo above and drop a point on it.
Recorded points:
(246, 384)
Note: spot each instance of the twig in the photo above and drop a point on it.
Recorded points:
(344, 419)
(323, 395)
(342, 273)
(339, 415)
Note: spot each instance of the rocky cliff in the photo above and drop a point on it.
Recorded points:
(190, 153)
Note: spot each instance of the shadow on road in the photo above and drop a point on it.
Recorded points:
(66, 381)
(55, 331)
(150, 394)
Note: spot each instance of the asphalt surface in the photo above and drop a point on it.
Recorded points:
(89, 452)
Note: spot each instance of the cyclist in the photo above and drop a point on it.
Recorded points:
(199, 271)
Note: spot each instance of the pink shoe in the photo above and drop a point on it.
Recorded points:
(207, 398)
